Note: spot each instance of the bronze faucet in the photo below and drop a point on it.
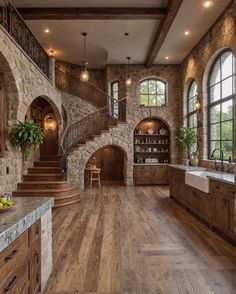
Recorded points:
(217, 166)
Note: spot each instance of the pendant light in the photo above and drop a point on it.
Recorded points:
(128, 81)
(84, 75)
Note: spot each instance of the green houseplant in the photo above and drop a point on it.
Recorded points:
(195, 158)
(25, 135)
(186, 137)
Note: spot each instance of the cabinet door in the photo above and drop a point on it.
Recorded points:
(232, 218)
(160, 175)
(192, 199)
(220, 212)
(205, 207)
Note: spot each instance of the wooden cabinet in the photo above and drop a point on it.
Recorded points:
(20, 263)
(224, 207)
(200, 203)
(150, 174)
(177, 184)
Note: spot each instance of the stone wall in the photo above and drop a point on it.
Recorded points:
(76, 108)
(96, 76)
(122, 136)
(197, 66)
(23, 82)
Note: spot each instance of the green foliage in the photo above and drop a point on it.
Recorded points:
(195, 153)
(26, 134)
(186, 137)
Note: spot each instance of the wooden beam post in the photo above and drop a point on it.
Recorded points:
(93, 13)
(162, 31)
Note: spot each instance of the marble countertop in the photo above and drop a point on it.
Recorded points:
(186, 168)
(18, 219)
(152, 163)
(223, 177)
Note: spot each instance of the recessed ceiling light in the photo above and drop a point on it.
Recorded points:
(47, 31)
(186, 33)
(167, 57)
(207, 4)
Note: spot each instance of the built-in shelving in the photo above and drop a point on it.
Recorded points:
(151, 142)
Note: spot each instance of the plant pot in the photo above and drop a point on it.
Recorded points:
(195, 162)
(186, 162)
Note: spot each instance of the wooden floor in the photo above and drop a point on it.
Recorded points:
(136, 240)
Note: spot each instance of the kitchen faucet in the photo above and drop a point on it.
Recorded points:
(221, 166)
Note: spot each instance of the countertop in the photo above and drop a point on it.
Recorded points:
(186, 168)
(223, 177)
(18, 219)
(152, 163)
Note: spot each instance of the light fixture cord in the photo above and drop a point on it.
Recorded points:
(84, 51)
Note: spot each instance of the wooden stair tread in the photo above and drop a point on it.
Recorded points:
(44, 182)
(46, 190)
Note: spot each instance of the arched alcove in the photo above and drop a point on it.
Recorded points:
(111, 160)
(43, 112)
(152, 141)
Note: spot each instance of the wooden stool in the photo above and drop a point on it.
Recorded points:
(94, 176)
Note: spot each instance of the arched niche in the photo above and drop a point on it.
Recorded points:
(152, 141)
(111, 160)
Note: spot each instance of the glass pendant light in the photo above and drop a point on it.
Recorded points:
(128, 81)
(84, 75)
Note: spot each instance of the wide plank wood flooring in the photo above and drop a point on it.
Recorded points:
(122, 240)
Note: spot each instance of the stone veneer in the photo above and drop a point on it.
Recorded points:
(23, 82)
(46, 248)
(122, 136)
(197, 66)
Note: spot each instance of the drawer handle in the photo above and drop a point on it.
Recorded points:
(36, 254)
(9, 257)
(11, 284)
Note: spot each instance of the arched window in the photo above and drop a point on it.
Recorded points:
(221, 90)
(152, 93)
(191, 109)
(115, 90)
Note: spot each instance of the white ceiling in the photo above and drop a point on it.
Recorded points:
(106, 40)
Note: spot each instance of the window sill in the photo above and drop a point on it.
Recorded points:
(140, 106)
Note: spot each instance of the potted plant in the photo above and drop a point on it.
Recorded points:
(25, 135)
(186, 137)
(195, 159)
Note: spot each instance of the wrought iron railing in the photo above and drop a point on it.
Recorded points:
(85, 90)
(14, 24)
(93, 124)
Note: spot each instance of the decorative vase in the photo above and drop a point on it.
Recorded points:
(186, 162)
(195, 162)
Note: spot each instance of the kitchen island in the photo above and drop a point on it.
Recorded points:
(26, 245)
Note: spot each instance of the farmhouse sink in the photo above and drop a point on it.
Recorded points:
(198, 180)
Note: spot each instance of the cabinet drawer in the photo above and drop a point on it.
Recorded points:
(35, 231)
(17, 282)
(13, 255)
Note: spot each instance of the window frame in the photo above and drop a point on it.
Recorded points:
(112, 90)
(165, 92)
(194, 111)
(219, 102)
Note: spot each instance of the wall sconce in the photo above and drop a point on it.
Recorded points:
(197, 104)
(50, 123)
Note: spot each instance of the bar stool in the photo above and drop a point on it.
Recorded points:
(94, 176)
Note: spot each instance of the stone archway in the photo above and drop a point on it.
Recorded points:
(44, 112)
(110, 159)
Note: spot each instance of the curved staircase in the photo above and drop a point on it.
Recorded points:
(45, 179)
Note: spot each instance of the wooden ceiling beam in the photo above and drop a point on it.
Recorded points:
(162, 31)
(93, 13)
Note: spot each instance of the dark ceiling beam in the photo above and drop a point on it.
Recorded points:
(98, 13)
(162, 31)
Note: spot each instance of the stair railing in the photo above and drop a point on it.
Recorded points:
(93, 124)
(84, 90)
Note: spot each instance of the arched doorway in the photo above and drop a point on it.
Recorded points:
(41, 111)
(110, 159)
